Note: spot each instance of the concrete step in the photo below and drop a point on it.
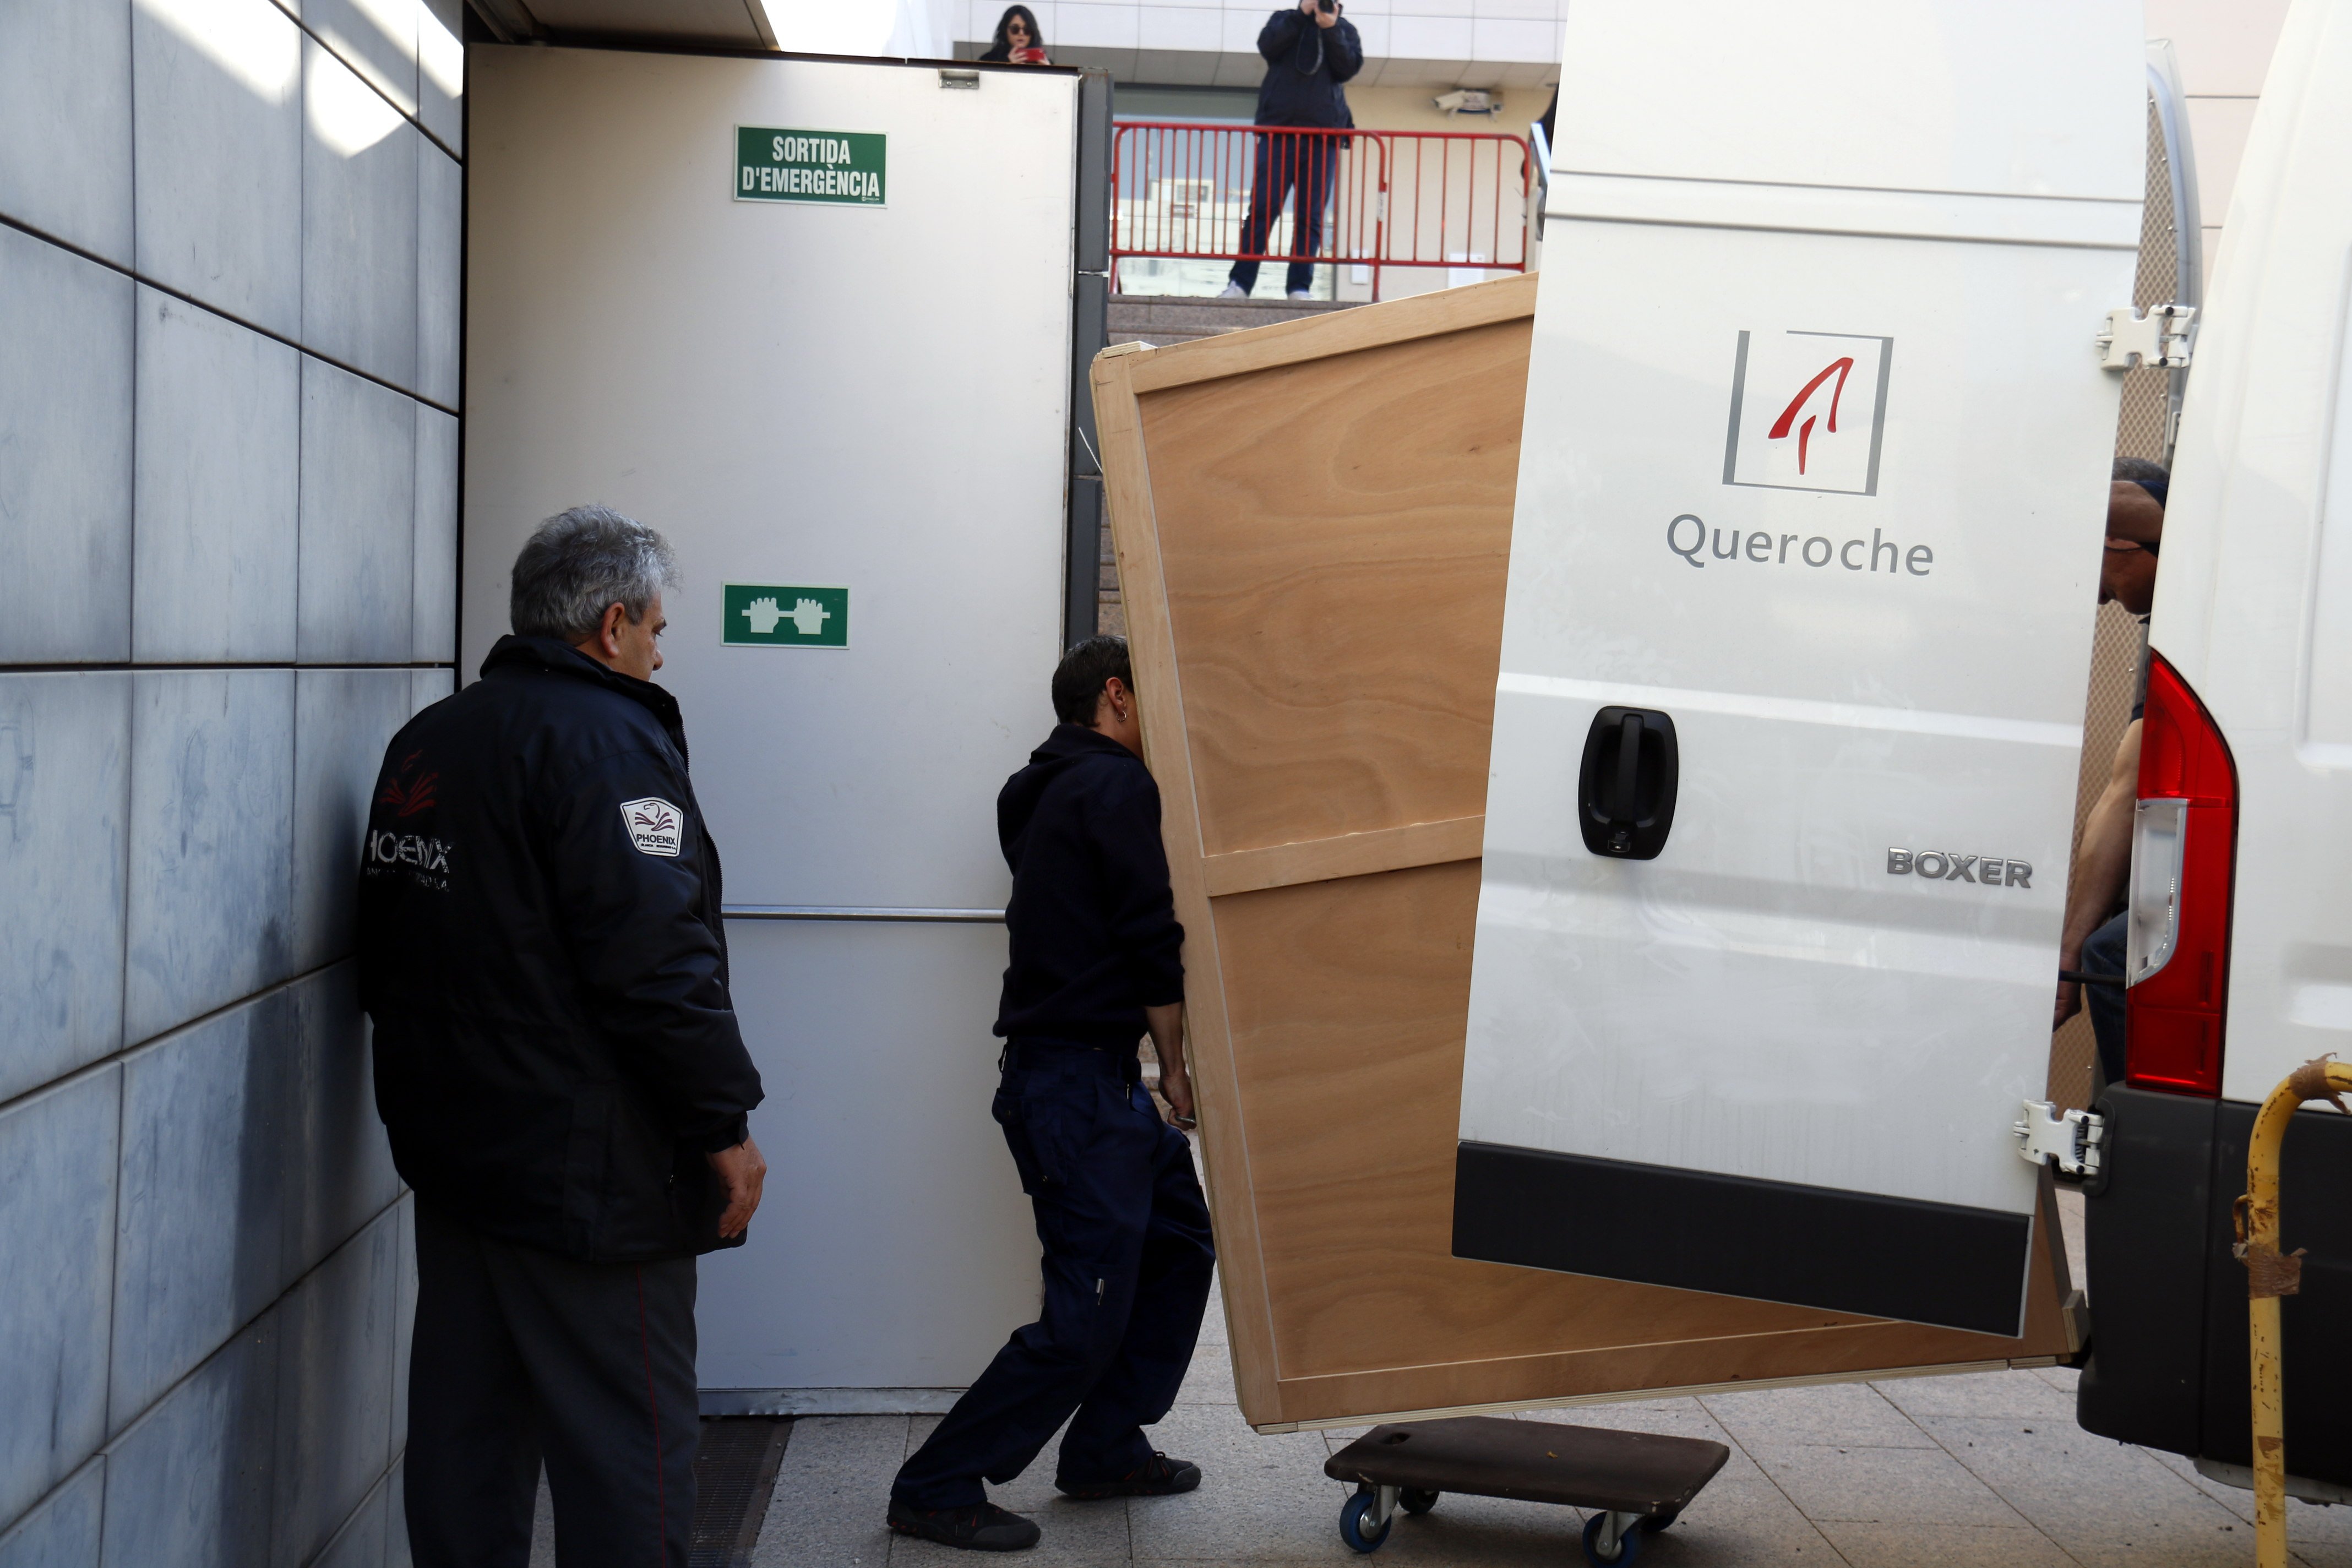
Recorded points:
(1162, 319)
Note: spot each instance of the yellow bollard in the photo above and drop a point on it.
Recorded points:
(2270, 1276)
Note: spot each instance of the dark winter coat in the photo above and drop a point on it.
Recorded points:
(1305, 65)
(1095, 938)
(542, 952)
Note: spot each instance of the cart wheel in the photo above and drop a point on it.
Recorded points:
(1658, 1521)
(1352, 1524)
(1416, 1500)
(1628, 1545)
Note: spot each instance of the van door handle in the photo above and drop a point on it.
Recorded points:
(1625, 789)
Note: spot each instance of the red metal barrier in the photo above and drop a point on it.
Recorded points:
(1394, 199)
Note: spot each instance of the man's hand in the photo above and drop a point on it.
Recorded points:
(1167, 1025)
(2102, 865)
(2070, 1002)
(1322, 19)
(1176, 1088)
(743, 1171)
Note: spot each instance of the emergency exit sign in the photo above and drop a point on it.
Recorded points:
(763, 614)
(833, 168)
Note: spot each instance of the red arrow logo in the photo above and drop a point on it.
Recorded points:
(1839, 368)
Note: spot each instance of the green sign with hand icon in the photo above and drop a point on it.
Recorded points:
(764, 615)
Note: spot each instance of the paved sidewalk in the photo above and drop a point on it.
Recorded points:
(1946, 1472)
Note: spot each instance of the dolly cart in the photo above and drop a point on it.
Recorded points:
(1635, 1481)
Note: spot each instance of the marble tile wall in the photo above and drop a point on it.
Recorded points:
(230, 283)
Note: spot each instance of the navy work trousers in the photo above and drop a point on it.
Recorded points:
(1285, 164)
(1126, 1267)
(521, 1355)
(2102, 954)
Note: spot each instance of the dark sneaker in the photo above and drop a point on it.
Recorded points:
(1159, 1476)
(986, 1528)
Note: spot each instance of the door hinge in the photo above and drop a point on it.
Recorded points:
(2157, 339)
(2073, 1138)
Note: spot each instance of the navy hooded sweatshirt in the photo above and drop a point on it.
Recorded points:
(1095, 938)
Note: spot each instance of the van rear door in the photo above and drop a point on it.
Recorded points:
(1803, 578)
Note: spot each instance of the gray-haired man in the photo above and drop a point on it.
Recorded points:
(557, 1062)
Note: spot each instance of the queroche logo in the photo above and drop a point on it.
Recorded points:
(1808, 412)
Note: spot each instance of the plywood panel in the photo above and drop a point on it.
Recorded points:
(1312, 523)
(1335, 545)
(1346, 1001)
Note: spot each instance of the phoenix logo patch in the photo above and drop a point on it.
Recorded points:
(408, 795)
(655, 826)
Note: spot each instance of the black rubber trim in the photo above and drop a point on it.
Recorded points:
(1943, 1264)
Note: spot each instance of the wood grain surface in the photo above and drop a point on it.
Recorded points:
(1312, 525)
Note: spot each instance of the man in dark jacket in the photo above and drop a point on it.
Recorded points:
(1309, 52)
(558, 1064)
(1128, 1258)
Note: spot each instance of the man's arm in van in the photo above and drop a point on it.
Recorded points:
(2100, 867)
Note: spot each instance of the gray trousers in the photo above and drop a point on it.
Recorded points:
(522, 1356)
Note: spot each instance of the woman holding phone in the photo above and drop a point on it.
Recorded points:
(1018, 39)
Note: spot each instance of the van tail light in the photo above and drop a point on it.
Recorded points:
(2184, 856)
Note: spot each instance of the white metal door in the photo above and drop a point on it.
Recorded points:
(2253, 607)
(868, 396)
(1815, 467)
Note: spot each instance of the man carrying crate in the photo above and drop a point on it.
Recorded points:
(1096, 964)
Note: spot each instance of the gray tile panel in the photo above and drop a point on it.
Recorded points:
(65, 121)
(218, 444)
(357, 599)
(435, 623)
(832, 1491)
(339, 1165)
(65, 804)
(2090, 1495)
(441, 75)
(377, 40)
(404, 1316)
(426, 687)
(1989, 1393)
(1845, 1415)
(57, 1208)
(62, 1530)
(211, 809)
(334, 1393)
(359, 1542)
(395, 1519)
(1881, 1486)
(344, 719)
(189, 1485)
(218, 118)
(1894, 1546)
(200, 1230)
(65, 485)
(440, 287)
(359, 223)
(1269, 1498)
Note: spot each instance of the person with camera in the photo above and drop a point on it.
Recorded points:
(1310, 52)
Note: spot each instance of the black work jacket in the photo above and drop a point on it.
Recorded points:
(542, 952)
(1305, 65)
(1095, 938)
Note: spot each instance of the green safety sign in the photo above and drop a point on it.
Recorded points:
(761, 614)
(838, 168)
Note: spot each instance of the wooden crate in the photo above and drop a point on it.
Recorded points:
(1312, 524)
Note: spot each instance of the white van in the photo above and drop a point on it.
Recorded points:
(2241, 931)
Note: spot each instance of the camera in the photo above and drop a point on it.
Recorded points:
(1328, 7)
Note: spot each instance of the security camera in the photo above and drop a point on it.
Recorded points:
(1470, 100)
